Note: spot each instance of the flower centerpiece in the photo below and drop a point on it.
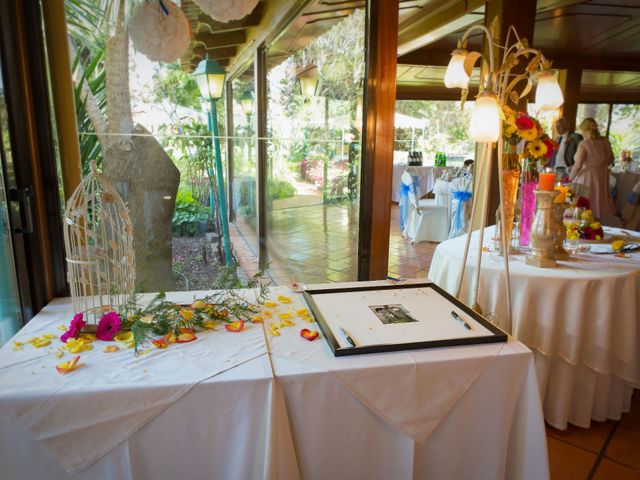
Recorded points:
(580, 222)
(524, 134)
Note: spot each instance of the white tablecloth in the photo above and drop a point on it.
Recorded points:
(397, 415)
(581, 319)
(427, 177)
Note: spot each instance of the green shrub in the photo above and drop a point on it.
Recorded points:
(189, 214)
(279, 189)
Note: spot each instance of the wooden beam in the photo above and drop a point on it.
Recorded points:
(423, 28)
(260, 69)
(417, 92)
(570, 84)
(224, 52)
(427, 57)
(378, 132)
(228, 127)
(217, 40)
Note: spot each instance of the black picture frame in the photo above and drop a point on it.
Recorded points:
(497, 335)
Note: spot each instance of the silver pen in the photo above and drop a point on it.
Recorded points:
(347, 336)
(456, 317)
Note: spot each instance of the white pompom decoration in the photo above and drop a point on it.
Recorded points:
(162, 36)
(227, 10)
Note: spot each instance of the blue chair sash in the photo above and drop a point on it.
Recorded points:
(461, 196)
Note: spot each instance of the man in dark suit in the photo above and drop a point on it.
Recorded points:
(568, 144)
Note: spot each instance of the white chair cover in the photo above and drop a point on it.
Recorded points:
(426, 221)
(460, 205)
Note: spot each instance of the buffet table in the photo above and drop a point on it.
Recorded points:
(231, 405)
(427, 177)
(581, 319)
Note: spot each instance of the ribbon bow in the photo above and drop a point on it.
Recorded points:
(462, 197)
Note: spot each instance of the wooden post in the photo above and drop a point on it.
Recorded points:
(62, 94)
(228, 103)
(570, 81)
(522, 15)
(377, 160)
(260, 69)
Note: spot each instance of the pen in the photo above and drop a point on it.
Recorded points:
(346, 335)
(456, 317)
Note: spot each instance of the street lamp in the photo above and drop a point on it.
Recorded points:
(209, 76)
(246, 103)
(309, 79)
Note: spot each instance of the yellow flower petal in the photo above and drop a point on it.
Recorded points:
(48, 336)
(186, 313)
(210, 324)
(270, 304)
(123, 337)
(303, 312)
(62, 328)
(285, 315)
(111, 349)
(283, 299)
(274, 332)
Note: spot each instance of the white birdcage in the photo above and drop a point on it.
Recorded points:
(99, 244)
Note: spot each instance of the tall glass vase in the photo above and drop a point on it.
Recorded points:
(528, 207)
(510, 181)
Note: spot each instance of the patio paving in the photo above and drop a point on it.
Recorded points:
(318, 244)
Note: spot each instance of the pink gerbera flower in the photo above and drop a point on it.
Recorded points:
(75, 327)
(108, 326)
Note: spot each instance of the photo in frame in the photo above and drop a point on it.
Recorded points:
(384, 318)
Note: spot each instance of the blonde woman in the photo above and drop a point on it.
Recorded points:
(593, 158)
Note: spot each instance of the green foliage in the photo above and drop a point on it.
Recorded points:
(177, 87)
(189, 213)
(279, 189)
(228, 305)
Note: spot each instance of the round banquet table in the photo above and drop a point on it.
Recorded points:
(581, 320)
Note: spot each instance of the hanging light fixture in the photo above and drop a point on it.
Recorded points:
(209, 76)
(456, 75)
(246, 102)
(485, 119)
(309, 80)
(548, 94)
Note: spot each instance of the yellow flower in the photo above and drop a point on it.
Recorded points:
(617, 245)
(511, 129)
(587, 216)
(529, 134)
(199, 305)
(596, 225)
(186, 314)
(537, 149)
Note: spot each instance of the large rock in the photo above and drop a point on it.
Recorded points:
(148, 181)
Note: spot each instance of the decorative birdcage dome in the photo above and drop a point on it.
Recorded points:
(99, 245)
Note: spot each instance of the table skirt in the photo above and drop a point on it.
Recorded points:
(577, 394)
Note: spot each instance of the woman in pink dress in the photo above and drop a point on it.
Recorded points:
(591, 168)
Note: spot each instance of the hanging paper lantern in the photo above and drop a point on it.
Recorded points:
(159, 30)
(227, 10)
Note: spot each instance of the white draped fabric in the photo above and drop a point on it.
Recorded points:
(427, 176)
(398, 415)
(581, 319)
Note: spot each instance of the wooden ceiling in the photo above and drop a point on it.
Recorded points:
(598, 36)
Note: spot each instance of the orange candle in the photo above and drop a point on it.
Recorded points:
(547, 181)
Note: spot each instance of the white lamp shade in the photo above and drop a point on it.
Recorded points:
(548, 94)
(456, 75)
(211, 85)
(485, 119)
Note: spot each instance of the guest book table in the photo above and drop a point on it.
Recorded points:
(581, 319)
(231, 405)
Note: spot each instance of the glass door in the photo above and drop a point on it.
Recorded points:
(10, 311)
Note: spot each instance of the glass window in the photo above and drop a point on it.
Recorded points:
(597, 111)
(314, 149)
(244, 197)
(624, 133)
(147, 127)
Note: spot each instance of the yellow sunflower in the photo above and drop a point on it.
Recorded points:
(530, 134)
(511, 129)
(537, 149)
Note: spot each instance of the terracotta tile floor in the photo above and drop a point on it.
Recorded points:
(319, 243)
(608, 450)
